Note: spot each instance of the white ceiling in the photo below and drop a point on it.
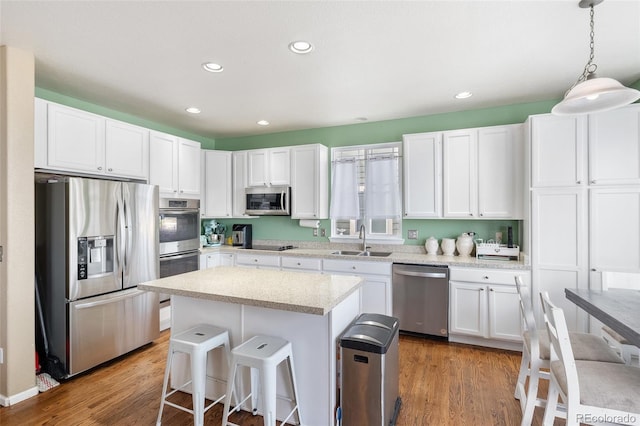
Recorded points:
(375, 59)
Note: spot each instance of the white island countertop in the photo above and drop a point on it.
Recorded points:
(288, 291)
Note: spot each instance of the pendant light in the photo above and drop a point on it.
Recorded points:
(590, 93)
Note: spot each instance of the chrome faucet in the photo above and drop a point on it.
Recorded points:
(363, 236)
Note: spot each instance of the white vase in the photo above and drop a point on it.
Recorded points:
(448, 246)
(464, 244)
(431, 245)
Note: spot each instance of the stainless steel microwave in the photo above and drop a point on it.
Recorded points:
(270, 201)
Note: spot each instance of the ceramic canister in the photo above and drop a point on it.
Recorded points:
(431, 245)
(464, 244)
(448, 246)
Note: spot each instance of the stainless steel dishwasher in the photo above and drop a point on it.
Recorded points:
(421, 298)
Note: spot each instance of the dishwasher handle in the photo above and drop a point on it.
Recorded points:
(422, 274)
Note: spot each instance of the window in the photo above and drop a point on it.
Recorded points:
(366, 188)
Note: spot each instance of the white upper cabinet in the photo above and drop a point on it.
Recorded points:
(558, 150)
(422, 154)
(482, 172)
(126, 149)
(174, 165)
(218, 188)
(268, 167)
(239, 181)
(614, 148)
(601, 149)
(69, 139)
(309, 182)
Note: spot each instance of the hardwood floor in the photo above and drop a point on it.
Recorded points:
(440, 383)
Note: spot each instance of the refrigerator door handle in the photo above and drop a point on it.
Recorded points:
(107, 300)
(121, 237)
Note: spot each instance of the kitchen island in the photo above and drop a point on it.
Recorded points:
(309, 310)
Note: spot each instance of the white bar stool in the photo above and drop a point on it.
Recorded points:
(197, 342)
(262, 354)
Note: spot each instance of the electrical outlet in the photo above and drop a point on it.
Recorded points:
(323, 232)
(315, 232)
(412, 234)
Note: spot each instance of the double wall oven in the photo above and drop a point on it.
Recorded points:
(179, 237)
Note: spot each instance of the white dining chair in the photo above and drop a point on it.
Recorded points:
(628, 280)
(592, 391)
(536, 355)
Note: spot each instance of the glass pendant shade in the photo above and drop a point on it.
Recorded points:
(595, 95)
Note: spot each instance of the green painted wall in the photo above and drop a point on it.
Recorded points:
(284, 228)
(48, 95)
(390, 130)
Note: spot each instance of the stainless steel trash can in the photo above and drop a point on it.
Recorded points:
(369, 354)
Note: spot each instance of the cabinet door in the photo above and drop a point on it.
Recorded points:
(239, 183)
(504, 313)
(559, 244)
(279, 166)
(126, 150)
(558, 156)
(614, 146)
(163, 163)
(217, 185)
(422, 153)
(188, 168)
(375, 296)
(75, 139)
(615, 229)
(257, 174)
(460, 175)
(497, 167)
(309, 182)
(468, 309)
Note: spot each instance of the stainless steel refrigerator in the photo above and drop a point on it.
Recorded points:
(95, 241)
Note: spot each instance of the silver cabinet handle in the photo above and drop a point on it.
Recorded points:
(421, 274)
(99, 167)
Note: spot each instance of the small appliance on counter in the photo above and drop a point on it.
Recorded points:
(241, 235)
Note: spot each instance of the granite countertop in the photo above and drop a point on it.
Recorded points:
(417, 258)
(288, 291)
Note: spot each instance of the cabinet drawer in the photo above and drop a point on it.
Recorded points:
(493, 276)
(357, 267)
(302, 263)
(257, 260)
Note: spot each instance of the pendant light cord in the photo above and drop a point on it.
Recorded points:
(590, 67)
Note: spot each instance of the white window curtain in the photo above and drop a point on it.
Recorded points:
(382, 198)
(345, 203)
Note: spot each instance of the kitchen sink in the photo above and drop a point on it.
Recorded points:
(375, 253)
(347, 252)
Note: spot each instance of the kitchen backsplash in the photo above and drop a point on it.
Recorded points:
(285, 228)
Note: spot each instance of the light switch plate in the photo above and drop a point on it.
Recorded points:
(315, 232)
(412, 234)
(323, 232)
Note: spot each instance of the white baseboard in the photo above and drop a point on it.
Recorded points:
(6, 401)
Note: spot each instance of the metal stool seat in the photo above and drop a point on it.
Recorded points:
(262, 354)
(197, 342)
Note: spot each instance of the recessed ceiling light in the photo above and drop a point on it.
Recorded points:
(300, 47)
(212, 67)
(193, 110)
(263, 122)
(464, 95)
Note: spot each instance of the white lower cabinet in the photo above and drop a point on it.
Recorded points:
(484, 308)
(301, 264)
(376, 288)
(258, 261)
(211, 260)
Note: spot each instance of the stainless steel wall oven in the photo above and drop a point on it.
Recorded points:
(179, 237)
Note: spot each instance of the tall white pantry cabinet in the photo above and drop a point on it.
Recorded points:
(585, 202)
